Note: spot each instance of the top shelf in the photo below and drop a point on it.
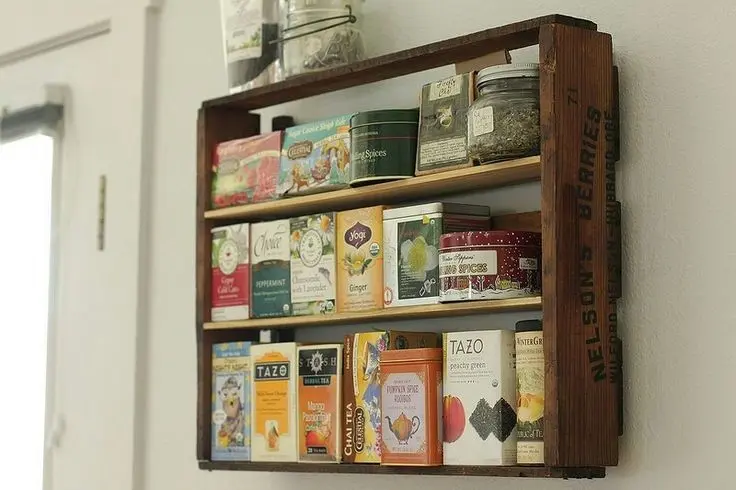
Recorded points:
(462, 48)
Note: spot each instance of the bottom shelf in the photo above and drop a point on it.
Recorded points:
(502, 471)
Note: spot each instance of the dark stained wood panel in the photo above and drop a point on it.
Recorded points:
(531, 221)
(462, 48)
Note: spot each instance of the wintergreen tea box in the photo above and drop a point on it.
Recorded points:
(411, 240)
(270, 269)
(312, 246)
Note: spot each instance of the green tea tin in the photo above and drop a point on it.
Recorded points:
(383, 145)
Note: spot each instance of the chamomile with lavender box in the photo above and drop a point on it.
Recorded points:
(313, 290)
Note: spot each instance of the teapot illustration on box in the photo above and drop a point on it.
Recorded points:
(403, 428)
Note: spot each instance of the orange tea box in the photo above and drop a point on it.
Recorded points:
(360, 259)
(320, 378)
(273, 402)
(361, 414)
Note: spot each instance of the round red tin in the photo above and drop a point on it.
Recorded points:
(490, 265)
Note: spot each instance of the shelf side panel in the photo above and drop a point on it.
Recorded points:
(581, 423)
(214, 125)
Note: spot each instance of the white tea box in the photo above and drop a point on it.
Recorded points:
(479, 398)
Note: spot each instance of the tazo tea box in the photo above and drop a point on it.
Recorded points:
(230, 273)
(411, 240)
(443, 124)
(362, 389)
(270, 269)
(313, 288)
(360, 259)
(231, 401)
(274, 427)
(320, 386)
(479, 416)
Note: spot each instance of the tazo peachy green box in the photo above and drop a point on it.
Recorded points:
(313, 264)
(270, 269)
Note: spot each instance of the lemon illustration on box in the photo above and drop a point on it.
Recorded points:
(313, 287)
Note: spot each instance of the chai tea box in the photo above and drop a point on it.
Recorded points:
(313, 289)
(315, 157)
(230, 273)
(319, 401)
(231, 401)
(361, 414)
(246, 170)
(270, 269)
(479, 398)
(360, 259)
(274, 429)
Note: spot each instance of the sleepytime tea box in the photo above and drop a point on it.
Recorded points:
(313, 289)
(361, 413)
(231, 401)
(479, 398)
(230, 294)
(270, 269)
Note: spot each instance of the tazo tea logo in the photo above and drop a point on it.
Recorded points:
(268, 245)
(301, 149)
(466, 346)
(358, 235)
(272, 371)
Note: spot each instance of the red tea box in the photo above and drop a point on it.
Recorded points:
(246, 170)
(230, 273)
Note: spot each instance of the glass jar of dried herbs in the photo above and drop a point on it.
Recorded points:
(503, 122)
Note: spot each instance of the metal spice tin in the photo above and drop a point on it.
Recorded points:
(383, 145)
(490, 265)
(411, 398)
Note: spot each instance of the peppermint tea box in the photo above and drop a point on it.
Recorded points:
(270, 269)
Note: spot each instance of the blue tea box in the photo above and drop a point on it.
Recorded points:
(315, 157)
(231, 401)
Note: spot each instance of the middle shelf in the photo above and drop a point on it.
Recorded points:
(387, 314)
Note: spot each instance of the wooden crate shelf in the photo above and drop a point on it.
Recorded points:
(374, 469)
(386, 315)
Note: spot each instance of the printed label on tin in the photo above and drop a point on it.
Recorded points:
(404, 414)
(443, 151)
(448, 87)
(482, 121)
(468, 263)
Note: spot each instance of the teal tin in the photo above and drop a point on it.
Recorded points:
(383, 145)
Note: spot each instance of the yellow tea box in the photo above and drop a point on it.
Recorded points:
(360, 259)
(273, 402)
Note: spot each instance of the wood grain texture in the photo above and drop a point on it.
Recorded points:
(580, 422)
(531, 221)
(462, 308)
(427, 186)
(214, 126)
(374, 469)
(511, 36)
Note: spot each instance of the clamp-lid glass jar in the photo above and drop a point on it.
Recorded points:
(503, 122)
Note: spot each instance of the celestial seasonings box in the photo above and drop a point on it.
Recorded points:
(360, 259)
(319, 399)
(362, 389)
(270, 269)
(246, 170)
(313, 288)
(479, 416)
(230, 273)
(411, 239)
(315, 157)
(274, 429)
(231, 401)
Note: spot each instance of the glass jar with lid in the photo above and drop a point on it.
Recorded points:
(503, 123)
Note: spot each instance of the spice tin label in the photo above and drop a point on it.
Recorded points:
(313, 288)
(230, 273)
(482, 121)
(404, 409)
(231, 401)
(270, 269)
(449, 87)
(530, 397)
(360, 264)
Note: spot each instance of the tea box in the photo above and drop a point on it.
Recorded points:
(411, 407)
(274, 429)
(411, 240)
(230, 273)
(270, 269)
(362, 389)
(443, 124)
(246, 170)
(490, 265)
(360, 259)
(529, 392)
(479, 414)
(231, 401)
(315, 157)
(319, 398)
(313, 288)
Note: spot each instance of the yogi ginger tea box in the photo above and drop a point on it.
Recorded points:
(273, 402)
(318, 394)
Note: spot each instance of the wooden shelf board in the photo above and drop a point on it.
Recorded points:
(462, 48)
(500, 471)
(425, 186)
(387, 314)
